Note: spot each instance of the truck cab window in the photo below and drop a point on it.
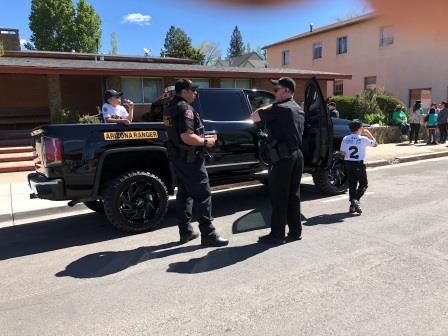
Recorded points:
(221, 106)
(259, 99)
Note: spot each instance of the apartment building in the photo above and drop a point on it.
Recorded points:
(377, 52)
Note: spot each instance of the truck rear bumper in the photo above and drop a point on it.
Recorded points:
(42, 187)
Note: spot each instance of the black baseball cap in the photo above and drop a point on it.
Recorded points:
(184, 84)
(286, 82)
(112, 94)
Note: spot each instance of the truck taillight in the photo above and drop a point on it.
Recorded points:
(52, 151)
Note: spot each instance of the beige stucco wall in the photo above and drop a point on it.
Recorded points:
(416, 60)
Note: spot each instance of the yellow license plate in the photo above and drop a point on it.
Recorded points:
(130, 135)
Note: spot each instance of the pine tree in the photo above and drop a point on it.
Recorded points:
(236, 44)
(178, 44)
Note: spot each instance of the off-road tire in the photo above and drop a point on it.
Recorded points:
(116, 202)
(97, 206)
(332, 181)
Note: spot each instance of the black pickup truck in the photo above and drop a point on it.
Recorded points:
(125, 172)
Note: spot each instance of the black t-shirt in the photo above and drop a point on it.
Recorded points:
(181, 118)
(285, 123)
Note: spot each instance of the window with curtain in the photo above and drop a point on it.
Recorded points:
(142, 90)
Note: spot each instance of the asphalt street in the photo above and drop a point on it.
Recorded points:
(383, 273)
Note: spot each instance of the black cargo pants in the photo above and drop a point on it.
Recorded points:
(357, 179)
(193, 196)
(284, 189)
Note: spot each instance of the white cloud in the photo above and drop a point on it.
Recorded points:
(137, 18)
(23, 41)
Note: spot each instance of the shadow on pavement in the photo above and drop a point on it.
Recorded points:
(55, 234)
(217, 259)
(109, 262)
(328, 219)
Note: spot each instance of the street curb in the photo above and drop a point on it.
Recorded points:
(406, 159)
(65, 209)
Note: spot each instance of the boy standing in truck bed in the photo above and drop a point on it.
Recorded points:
(353, 148)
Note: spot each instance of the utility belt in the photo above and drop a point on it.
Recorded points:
(188, 154)
(281, 150)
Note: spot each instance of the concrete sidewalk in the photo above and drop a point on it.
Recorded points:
(16, 206)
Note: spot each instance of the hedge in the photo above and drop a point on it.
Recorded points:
(349, 107)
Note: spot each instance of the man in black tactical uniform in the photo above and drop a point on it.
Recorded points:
(285, 124)
(186, 143)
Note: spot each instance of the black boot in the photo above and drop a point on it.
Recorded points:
(214, 241)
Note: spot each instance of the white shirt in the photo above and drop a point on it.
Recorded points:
(354, 146)
(114, 112)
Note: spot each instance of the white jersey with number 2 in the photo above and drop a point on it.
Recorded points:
(354, 146)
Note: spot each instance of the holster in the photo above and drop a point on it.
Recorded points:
(279, 151)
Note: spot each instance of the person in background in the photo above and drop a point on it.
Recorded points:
(431, 124)
(415, 119)
(334, 112)
(442, 122)
(113, 111)
(399, 118)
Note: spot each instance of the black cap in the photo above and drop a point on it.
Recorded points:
(184, 84)
(112, 94)
(418, 102)
(286, 82)
(355, 125)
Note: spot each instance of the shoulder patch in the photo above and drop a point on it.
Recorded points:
(189, 114)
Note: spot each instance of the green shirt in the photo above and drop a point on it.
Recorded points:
(399, 117)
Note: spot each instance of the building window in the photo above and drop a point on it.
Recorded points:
(141, 90)
(317, 50)
(202, 83)
(370, 83)
(425, 95)
(338, 88)
(236, 83)
(386, 36)
(285, 57)
(342, 46)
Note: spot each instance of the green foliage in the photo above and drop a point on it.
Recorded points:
(375, 118)
(236, 44)
(89, 119)
(388, 104)
(347, 106)
(65, 116)
(2, 49)
(57, 26)
(113, 44)
(178, 44)
(87, 24)
(370, 106)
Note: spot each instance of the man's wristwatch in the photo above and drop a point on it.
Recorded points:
(205, 142)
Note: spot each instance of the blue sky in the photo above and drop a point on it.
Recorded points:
(150, 20)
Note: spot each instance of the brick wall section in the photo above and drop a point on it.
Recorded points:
(81, 94)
